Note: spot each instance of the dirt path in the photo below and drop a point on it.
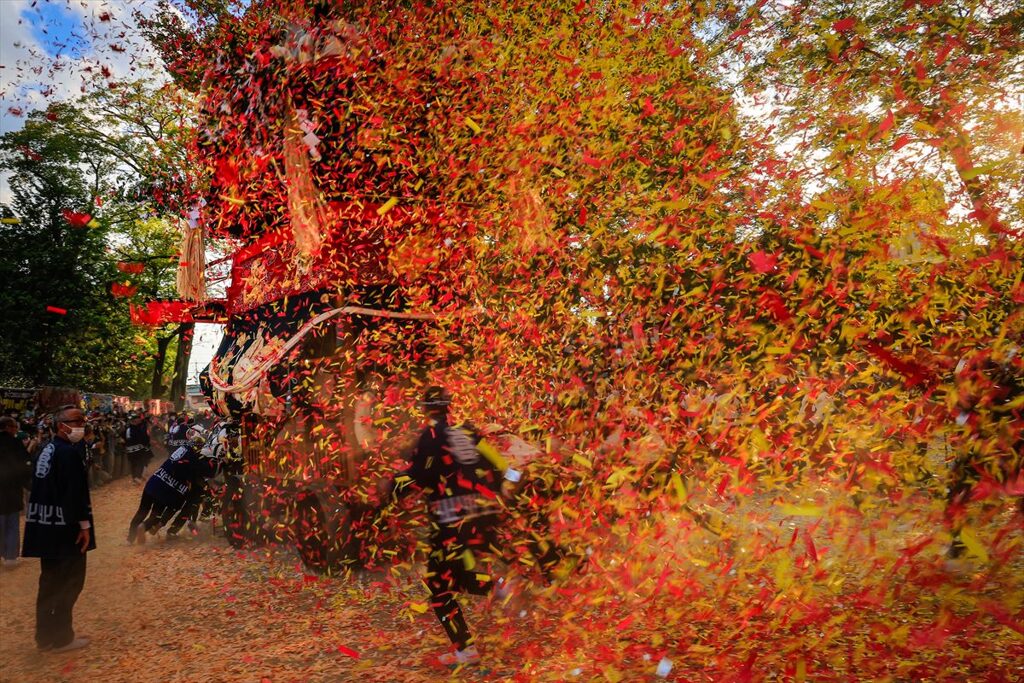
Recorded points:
(196, 610)
(841, 596)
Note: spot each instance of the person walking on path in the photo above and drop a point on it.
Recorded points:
(461, 476)
(59, 531)
(137, 446)
(15, 470)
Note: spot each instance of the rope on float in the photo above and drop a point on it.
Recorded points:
(261, 369)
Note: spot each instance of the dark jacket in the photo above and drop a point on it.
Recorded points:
(136, 440)
(459, 482)
(58, 503)
(15, 471)
(176, 437)
(171, 482)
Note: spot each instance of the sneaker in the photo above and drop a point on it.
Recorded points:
(76, 644)
(505, 594)
(463, 657)
(503, 588)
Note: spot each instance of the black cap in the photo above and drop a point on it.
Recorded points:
(436, 397)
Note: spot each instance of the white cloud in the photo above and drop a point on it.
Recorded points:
(98, 41)
(22, 61)
(94, 41)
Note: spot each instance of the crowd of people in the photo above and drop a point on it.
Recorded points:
(104, 440)
(63, 457)
(48, 467)
(117, 443)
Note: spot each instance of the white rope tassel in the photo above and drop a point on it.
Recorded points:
(305, 206)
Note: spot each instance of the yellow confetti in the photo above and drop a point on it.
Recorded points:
(973, 545)
(387, 206)
(677, 485)
(580, 460)
(801, 510)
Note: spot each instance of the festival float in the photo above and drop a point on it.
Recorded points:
(330, 324)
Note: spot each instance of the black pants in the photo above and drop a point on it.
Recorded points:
(60, 583)
(190, 511)
(152, 513)
(450, 570)
(966, 474)
(138, 463)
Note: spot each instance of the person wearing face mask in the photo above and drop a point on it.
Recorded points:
(59, 531)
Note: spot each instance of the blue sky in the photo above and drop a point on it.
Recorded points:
(51, 49)
(57, 29)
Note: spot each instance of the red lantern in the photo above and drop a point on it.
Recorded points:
(123, 289)
(132, 268)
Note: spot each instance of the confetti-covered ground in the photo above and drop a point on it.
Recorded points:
(809, 588)
(747, 277)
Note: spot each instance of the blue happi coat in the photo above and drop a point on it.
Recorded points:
(172, 481)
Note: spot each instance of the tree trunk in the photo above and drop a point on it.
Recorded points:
(181, 359)
(156, 385)
(958, 146)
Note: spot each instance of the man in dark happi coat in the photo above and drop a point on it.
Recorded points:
(137, 446)
(59, 531)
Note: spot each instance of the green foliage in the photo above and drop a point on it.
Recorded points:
(114, 156)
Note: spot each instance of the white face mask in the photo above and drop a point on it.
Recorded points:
(75, 434)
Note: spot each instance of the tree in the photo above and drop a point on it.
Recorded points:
(939, 81)
(145, 131)
(56, 265)
(90, 182)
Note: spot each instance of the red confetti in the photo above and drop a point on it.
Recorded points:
(133, 268)
(762, 262)
(844, 25)
(76, 219)
(886, 123)
(348, 652)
